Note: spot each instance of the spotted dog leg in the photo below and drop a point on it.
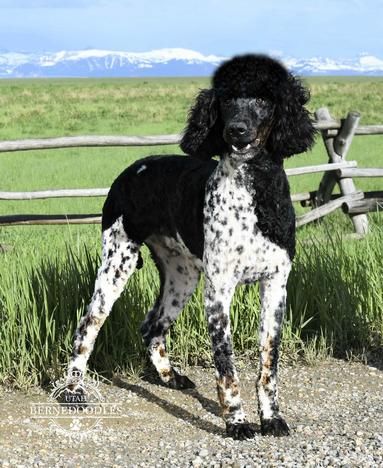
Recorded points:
(217, 305)
(119, 260)
(273, 297)
(179, 278)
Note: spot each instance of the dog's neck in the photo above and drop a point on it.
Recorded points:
(261, 162)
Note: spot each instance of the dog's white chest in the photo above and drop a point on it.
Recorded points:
(234, 245)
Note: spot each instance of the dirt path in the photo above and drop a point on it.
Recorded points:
(335, 411)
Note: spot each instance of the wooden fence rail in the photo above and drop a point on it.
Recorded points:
(157, 140)
(62, 193)
(362, 206)
(87, 141)
(337, 138)
(99, 192)
(27, 220)
(359, 172)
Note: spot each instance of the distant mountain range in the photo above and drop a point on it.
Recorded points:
(163, 62)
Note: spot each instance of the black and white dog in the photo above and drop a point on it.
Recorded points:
(231, 219)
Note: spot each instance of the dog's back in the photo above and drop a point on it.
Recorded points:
(161, 195)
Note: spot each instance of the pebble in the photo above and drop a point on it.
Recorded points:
(197, 462)
(337, 427)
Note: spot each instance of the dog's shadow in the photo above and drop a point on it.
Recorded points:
(175, 410)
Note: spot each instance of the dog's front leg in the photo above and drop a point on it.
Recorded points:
(217, 302)
(273, 297)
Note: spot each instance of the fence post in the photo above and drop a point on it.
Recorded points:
(337, 148)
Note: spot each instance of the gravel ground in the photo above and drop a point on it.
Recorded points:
(335, 411)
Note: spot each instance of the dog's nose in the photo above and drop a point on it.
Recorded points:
(237, 129)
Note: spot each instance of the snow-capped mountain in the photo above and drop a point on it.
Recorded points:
(105, 63)
(163, 62)
(362, 65)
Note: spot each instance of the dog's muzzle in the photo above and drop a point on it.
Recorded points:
(256, 144)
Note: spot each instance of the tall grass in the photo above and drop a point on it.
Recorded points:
(334, 292)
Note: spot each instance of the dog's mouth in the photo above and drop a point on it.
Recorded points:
(243, 148)
(256, 144)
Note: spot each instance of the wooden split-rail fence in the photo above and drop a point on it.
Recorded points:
(337, 137)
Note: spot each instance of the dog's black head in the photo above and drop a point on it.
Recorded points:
(254, 103)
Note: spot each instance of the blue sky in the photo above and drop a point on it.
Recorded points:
(300, 28)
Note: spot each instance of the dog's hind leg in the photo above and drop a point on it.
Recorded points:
(119, 260)
(273, 297)
(179, 278)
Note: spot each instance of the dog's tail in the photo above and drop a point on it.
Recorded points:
(111, 211)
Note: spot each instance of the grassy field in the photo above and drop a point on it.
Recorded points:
(335, 290)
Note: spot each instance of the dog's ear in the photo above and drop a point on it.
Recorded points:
(202, 136)
(293, 130)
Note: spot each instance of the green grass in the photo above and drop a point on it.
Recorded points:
(335, 305)
(335, 289)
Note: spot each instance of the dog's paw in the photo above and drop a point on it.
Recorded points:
(276, 427)
(240, 431)
(180, 382)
